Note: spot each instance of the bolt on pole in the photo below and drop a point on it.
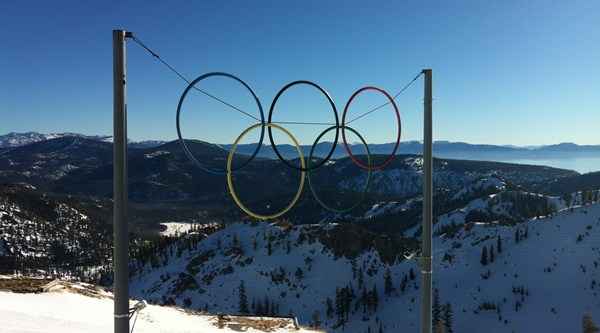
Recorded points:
(120, 227)
(426, 265)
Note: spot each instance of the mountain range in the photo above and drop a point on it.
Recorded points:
(13, 139)
(515, 246)
(504, 260)
(441, 148)
(163, 182)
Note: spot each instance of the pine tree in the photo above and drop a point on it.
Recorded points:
(411, 274)
(374, 298)
(299, 273)
(526, 234)
(436, 310)
(484, 256)
(517, 235)
(339, 305)
(492, 253)
(243, 305)
(329, 306)
(267, 306)
(388, 284)
(361, 278)
(448, 318)
(364, 299)
(403, 283)
(499, 244)
(348, 300)
(269, 246)
(350, 291)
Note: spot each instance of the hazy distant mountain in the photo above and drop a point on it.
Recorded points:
(79, 166)
(582, 158)
(13, 139)
(444, 149)
(441, 148)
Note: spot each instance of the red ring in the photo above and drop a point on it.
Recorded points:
(393, 154)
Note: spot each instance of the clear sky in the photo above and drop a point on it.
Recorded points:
(505, 72)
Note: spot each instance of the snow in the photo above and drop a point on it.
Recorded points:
(391, 207)
(481, 185)
(181, 228)
(175, 228)
(552, 242)
(39, 313)
(221, 292)
(407, 181)
(12, 140)
(156, 154)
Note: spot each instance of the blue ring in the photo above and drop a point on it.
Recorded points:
(186, 149)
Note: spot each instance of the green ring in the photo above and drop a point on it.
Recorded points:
(366, 189)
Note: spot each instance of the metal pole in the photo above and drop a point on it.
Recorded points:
(120, 229)
(426, 269)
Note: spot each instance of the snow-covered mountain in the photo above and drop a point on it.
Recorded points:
(443, 149)
(80, 166)
(39, 231)
(355, 272)
(14, 139)
(538, 274)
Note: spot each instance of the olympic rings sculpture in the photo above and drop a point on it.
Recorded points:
(305, 168)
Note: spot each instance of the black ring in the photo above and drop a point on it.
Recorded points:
(369, 172)
(337, 125)
(188, 152)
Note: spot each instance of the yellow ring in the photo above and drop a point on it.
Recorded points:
(230, 180)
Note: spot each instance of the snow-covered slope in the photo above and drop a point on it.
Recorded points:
(548, 274)
(483, 184)
(291, 269)
(39, 231)
(39, 313)
(404, 177)
(547, 280)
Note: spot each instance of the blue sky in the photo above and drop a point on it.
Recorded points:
(505, 72)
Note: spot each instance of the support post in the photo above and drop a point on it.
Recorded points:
(120, 227)
(426, 265)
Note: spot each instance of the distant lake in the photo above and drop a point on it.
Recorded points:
(578, 160)
(579, 164)
(582, 163)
